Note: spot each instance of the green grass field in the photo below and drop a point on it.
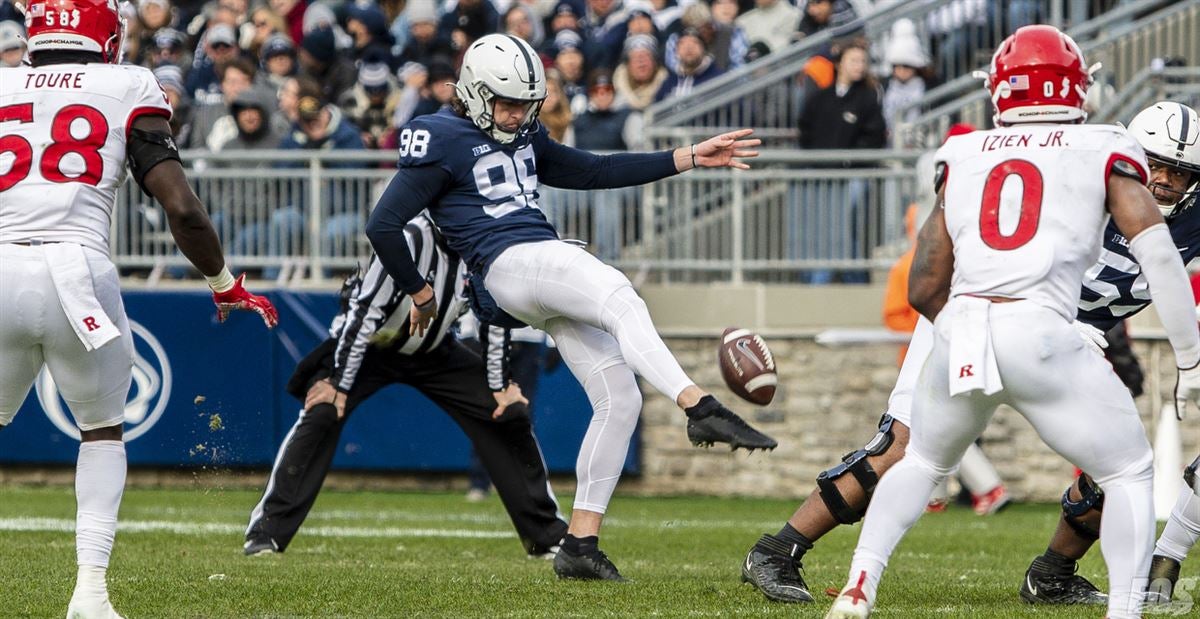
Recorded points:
(374, 554)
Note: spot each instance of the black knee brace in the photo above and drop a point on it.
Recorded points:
(1091, 497)
(856, 464)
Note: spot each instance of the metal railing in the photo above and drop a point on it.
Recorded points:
(766, 93)
(783, 221)
(1123, 44)
(1180, 84)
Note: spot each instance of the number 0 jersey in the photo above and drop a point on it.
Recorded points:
(1025, 207)
(63, 129)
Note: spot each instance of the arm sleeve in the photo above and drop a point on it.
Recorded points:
(496, 342)
(571, 168)
(1169, 290)
(366, 311)
(411, 191)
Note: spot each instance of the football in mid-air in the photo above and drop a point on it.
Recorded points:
(747, 365)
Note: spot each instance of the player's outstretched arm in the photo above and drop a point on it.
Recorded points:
(933, 264)
(1137, 217)
(721, 151)
(155, 164)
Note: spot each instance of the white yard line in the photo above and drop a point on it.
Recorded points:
(221, 528)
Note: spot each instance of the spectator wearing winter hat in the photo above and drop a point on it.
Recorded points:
(606, 125)
(696, 66)
(12, 44)
(822, 14)
(424, 42)
(278, 60)
(727, 45)
(470, 20)
(168, 47)
(367, 26)
(565, 16)
(638, 78)
(908, 81)
(219, 48)
(373, 102)
(570, 64)
(320, 61)
(773, 22)
(640, 21)
(170, 77)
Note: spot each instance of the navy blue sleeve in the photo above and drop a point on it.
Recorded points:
(411, 191)
(570, 168)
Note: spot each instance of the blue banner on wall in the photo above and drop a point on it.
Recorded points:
(211, 394)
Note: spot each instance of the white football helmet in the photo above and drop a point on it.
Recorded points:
(501, 66)
(1169, 132)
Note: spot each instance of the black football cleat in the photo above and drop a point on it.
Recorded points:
(260, 546)
(772, 568)
(592, 565)
(1164, 573)
(710, 422)
(1045, 586)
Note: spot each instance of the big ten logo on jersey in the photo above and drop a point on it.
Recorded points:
(148, 395)
(508, 181)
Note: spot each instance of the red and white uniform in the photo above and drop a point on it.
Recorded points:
(63, 131)
(1025, 208)
(63, 155)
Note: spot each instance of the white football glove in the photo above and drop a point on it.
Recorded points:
(1187, 389)
(1092, 337)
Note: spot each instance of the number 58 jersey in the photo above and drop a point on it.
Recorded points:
(1025, 207)
(63, 131)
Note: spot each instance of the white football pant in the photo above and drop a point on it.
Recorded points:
(34, 331)
(1076, 404)
(604, 333)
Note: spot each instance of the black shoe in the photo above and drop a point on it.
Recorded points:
(1164, 573)
(1044, 586)
(771, 567)
(588, 566)
(260, 546)
(713, 423)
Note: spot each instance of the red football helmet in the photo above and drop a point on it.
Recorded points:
(76, 25)
(1038, 75)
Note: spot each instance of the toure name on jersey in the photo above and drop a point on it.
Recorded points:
(1020, 140)
(54, 80)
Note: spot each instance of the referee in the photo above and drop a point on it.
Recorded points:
(370, 347)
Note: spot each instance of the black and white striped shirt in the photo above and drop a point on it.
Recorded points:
(377, 311)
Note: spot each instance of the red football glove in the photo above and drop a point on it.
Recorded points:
(237, 298)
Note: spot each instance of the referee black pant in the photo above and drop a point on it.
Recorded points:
(453, 377)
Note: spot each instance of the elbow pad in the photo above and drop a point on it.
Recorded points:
(1170, 290)
(146, 149)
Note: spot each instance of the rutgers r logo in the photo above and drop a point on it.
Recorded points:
(90, 323)
(965, 371)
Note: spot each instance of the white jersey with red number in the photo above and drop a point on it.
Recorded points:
(1025, 207)
(62, 147)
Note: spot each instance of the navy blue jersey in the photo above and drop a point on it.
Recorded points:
(1114, 288)
(490, 200)
(483, 194)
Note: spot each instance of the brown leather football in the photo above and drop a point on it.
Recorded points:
(747, 365)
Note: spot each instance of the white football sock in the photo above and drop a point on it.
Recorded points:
(1183, 528)
(1126, 537)
(898, 502)
(99, 483)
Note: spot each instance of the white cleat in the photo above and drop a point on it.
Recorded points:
(94, 608)
(851, 603)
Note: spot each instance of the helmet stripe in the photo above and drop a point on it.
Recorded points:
(528, 63)
(1183, 129)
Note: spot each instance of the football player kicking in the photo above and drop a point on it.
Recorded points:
(1113, 290)
(998, 270)
(69, 124)
(476, 166)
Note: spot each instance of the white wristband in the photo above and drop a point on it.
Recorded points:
(221, 282)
